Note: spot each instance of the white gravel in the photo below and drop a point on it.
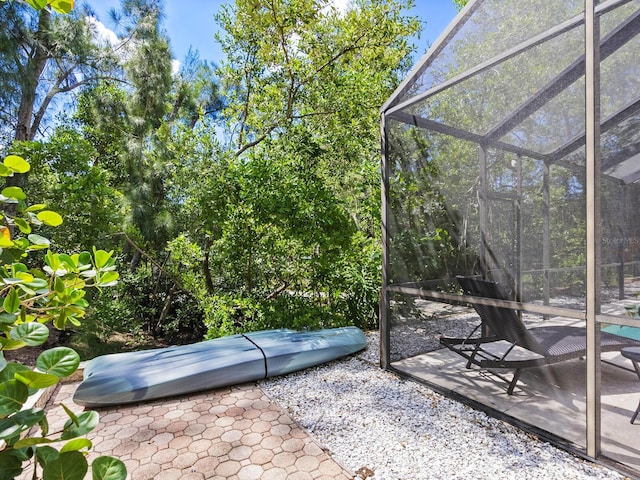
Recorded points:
(384, 428)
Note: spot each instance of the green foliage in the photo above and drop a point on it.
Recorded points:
(360, 278)
(65, 171)
(46, 57)
(460, 3)
(345, 291)
(146, 302)
(278, 238)
(275, 223)
(32, 297)
(60, 6)
(281, 222)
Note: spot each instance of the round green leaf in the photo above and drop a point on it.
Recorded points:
(5, 242)
(35, 208)
(68, 466)
(8, 318)
(23, 225)
(108, 468)
(59, 361)
(14, 192)
(20, 422)
(24, 277)
(84, 259)
(10, 464)
(69, 261)
(32, 333)
(74, 321)
(37, 380)
(108, 279)
(39, 240)
(50, 218)
(62, 6)
(76, 445)
(11, 302)
(103, 258)
(13, 394)
(10, 370)
(38, 283)
(83, 424)
(46, 454)
(17, 164)
(19, 268)
(58, 285)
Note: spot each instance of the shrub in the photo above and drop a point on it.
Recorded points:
(33, 296)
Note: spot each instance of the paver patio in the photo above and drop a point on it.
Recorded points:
(235, 433)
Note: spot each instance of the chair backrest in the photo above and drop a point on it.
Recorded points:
(503, 322)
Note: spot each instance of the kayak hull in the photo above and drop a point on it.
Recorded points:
(150, 374)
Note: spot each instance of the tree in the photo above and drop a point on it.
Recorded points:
(67, 172)
(280, 56)
(135, 126)
(140, 113)
(123, 119)
(44, 56)
(196, 92)
(287, 205)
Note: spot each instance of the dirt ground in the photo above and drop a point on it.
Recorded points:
(118, 342)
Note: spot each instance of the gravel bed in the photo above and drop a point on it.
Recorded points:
(382, 427)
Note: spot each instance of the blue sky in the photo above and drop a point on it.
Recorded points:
(191, 23)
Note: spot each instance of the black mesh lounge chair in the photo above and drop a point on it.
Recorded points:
(507, 343)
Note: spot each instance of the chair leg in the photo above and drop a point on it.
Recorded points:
(633, 418)
(514, 380)
(636, 366)
(473, 355)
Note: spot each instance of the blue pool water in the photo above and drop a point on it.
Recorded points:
(623, 331)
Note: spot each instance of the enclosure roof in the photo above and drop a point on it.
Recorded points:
(510, 74)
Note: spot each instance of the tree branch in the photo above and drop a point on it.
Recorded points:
(341, 53)
(292, 90)
(277, 292)
(160, 268)
(245, 110)
(56, 89)
(258, 140)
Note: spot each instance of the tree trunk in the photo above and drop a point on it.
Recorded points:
(206, 270)
(35, 66)
(37, 60)
(164, 312)
(135, 260)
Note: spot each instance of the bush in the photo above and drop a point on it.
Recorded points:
(31, 297)
(147, 302)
